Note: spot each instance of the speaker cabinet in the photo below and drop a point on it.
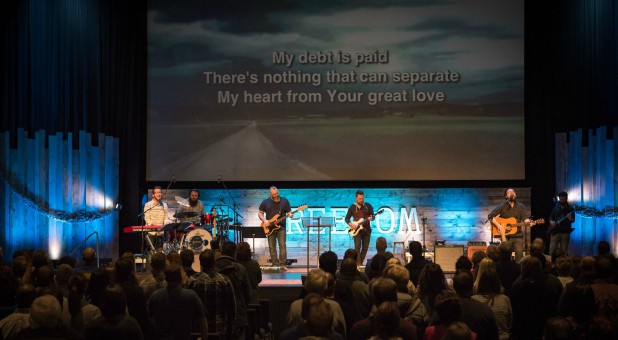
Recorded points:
(446, 257)
(473, 249)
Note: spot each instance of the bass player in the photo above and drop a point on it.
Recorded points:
(360, 210)
(269, 208)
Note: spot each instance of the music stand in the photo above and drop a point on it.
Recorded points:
(252, 232)
(317, 222)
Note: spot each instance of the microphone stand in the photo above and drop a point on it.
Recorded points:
(424, 220)
(234, 209)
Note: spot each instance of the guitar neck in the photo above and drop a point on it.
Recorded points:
(282, 218)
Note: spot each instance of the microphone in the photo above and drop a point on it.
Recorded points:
(220, 198)
(173, 178)
(219, 179)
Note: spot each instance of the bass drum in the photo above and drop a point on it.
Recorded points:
(197, 240)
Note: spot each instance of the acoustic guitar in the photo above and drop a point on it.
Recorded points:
(509, 225)
(357, 226)
(274, 224)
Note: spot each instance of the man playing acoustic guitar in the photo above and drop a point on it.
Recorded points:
(360, 210)
(509, 210)
(275, 206)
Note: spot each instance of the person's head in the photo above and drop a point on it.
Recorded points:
(128, 255)
(537, 246)
(274, 194)
(157, 193)
(194, 197)
(174, 257)
(416, 249)
(99, 279)
(447, 306)
(586, 267)
(43, 277)
(360, 197)
(382, 290)
(603, 268)
(506, 251)
(113, 302)
(351, 254)
(510, 194)
(89, 256)
(310, 300)
(463, 264)
(19, 265)
(488, 280)
(603, 248)
(386, 319)
(378, 262)
(319, 320)
(124, 270)
(392, 262)
(317, 282)
(531, 269)
(157, 263)
(45, 312)
(40, 258)
(77, 286)
(63, 274)
(400, 275)
(348, 267)
(173, 275)
(432, 279)
(477, 257)
(328, 262)
(558, 328)
(463, 283)
(457, 331)
(67, 259)
(564, 265)
(229, 249)
(187, 257)
(207, 260)
(243, 252)
(26, 293)
(381, 244)
(493, 252)
(563, 198)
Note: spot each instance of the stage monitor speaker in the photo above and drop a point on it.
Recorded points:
(446, 257)
(473, 249)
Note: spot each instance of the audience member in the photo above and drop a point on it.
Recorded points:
(487, 290)
(217, 295)
(45, 321)
(410, 306)
(417, 263)
(476, 258)
(431, 282)
(328, 262)
(321, 323)
(243, 256)
(493, 252)
(156, 280)
(463, 264)
(11, 325)
(507, 269)
(187, 257)
(113, 322)
(174, 310)
(82, 312)
(478, 316)
(458, 331)
(380, 249)
(136, 300)
(448, 310)
(352, 290)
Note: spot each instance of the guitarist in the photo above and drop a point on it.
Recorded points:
(361, 209)
(560, 220)
(268, 209)
(511, 208)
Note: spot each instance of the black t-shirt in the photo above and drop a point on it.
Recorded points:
(557, 213)
(504, 210)
(272, 208)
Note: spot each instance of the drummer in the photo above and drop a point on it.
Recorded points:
(192, 210)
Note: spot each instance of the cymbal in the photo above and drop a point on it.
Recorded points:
(186, 214)
(182, 201)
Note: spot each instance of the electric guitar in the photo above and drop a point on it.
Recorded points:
(508, 226)
(274, 224)
(357, 226)
(554, 230)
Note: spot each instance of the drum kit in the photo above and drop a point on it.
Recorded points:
(199, 232)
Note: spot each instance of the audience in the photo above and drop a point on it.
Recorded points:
(11, 325)
(243, 256)
(478, 316)
(187, 257)
(351, 289)
(156, 279)
(113, 323)
(417, 263)
(508, 270)
(488, 291)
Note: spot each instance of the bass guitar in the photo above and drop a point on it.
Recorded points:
(554, 230)
(508, 226)
(357, 226)
(274, 224)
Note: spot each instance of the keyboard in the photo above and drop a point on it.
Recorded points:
(140, 228)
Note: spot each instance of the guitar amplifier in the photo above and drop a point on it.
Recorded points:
(446, 256)
(473, 249)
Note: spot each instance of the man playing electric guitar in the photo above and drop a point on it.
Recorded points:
(360, 210)
(560, 220)
(270, 207)
(509, 209)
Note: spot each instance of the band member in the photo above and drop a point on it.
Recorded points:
(276, 205)
(361, 209)
(155, 213)
(560, 220)
(195, 206)
(509, 209)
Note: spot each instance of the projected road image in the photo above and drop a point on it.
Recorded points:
(295, 150)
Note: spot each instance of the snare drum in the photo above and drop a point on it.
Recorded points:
(207, 219)
(197, 240)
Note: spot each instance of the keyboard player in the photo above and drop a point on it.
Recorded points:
(155, 213)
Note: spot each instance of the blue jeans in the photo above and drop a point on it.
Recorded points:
(278, 236)
(559, 240)
(518, 246)
(361, 244)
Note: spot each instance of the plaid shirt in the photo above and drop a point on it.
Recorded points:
(152, 283)
(217, 294)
